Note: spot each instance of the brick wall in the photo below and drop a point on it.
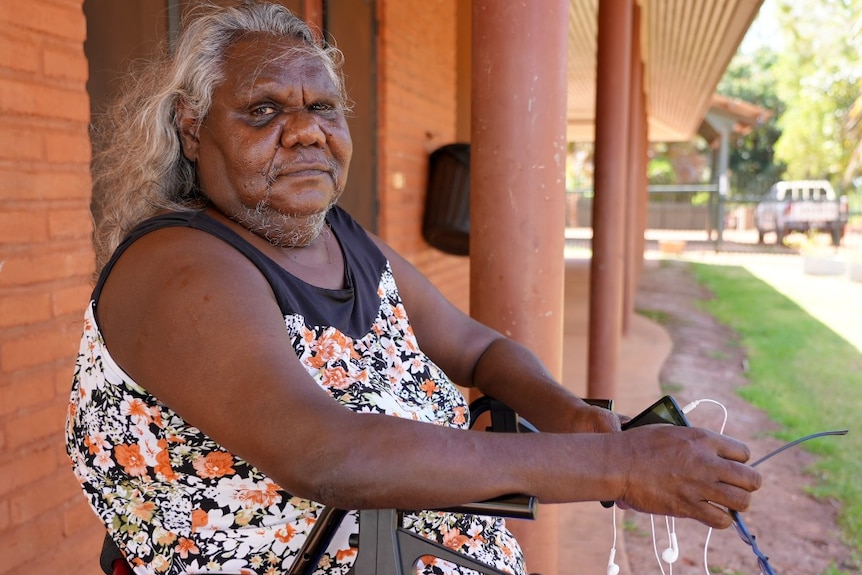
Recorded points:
(46, 260)
(418, 113)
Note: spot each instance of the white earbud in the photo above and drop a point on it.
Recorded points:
(671, 554)
(613, 568)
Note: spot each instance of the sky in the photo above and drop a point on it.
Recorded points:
(764, 29)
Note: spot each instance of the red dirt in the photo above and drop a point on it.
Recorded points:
(796, 531)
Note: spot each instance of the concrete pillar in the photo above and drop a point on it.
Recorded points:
(517, 202)
(613, 86)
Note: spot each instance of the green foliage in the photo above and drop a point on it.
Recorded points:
(751, 77)
(818, 77)
(805, 376)
(660, 171)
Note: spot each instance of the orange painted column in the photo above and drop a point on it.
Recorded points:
(517, 201)
(642, 177)
(637, 166)
(313, 10)
(613, 86)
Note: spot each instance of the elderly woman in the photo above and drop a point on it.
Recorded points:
(251, 354)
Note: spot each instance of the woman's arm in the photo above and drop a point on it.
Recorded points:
(194, 322)
(474, 355)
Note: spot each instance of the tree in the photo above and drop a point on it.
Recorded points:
(751, 77)
(818, 77)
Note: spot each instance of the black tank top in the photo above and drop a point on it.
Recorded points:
(351, 310)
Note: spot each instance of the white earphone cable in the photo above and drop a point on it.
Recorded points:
(686, 409)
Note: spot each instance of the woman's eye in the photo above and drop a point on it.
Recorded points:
(263, 111)
(322, 107)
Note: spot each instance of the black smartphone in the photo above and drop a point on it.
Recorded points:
(603, 403)
(665, 410)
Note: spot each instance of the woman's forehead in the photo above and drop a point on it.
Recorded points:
(264, 57)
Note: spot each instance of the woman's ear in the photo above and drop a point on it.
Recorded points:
(189, 124)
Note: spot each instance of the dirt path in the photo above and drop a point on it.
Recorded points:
(797, 532)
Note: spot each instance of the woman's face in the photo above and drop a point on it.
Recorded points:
(273, 152)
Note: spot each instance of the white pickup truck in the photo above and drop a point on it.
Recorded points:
(801, 206)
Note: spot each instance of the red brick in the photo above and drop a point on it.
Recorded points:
(38, 348)
(35, 425)
(71, 300)
(40, 185)
(27, 270)
(4, 515)
(63, 377)
(65, 62)
(24, 309)
(23, 227)
(26, 469)
(29, 98)
(71, 223)
(64, 185)
(78, 555)
(26, 391)
(20, 143)
(20, 544)
(77, 515)
(51, 19)
(19, 52)
(68, 147)
(41, 496)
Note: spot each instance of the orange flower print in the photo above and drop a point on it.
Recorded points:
(136, 410)
(343, 554)
(285, 534)
(429, 387)
(399, 312)
(307, 335)
(199, 519)
(410, 340)
(336, 378)
(104, 461)
(186, 546)
(156, 416)
(164, 537)
(453, 539)
(264, 495)
(143, 510)
(163, 462)
(160, 564)
(129, 456)
(459, 418)
(332, 344)
(214, 464)
(95, 443)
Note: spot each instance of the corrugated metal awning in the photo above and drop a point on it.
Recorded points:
(687, 45)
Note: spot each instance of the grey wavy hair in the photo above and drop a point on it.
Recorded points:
(138, 167)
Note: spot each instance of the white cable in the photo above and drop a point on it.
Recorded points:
(697, 402)
(686, 409)
(655, 545)
(670, 525)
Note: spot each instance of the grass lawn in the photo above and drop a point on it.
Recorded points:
(804, 375)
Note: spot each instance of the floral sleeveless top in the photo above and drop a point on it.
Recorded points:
(177, 502)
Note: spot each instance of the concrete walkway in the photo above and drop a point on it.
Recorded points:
(586, 532)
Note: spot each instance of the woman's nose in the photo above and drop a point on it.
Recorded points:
(303, 129)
